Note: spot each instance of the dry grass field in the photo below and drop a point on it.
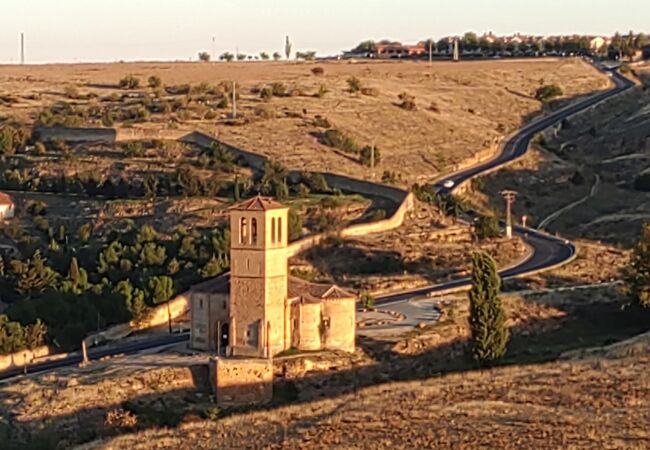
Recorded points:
(461, 109)
(591, 403)
(575, 376)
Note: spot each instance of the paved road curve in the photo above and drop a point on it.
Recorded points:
(547, 250)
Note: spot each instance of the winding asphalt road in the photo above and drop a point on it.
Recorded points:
(548, 250)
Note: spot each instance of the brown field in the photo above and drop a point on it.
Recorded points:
(461, 108)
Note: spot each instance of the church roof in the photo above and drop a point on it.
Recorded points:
(312, 292)
(297, 289)
(5, 199)
(258, 203)
(218, 285)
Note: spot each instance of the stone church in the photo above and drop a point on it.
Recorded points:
(258, 310)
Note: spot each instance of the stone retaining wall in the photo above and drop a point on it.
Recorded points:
(19, 359)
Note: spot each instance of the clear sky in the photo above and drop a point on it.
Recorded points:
(111, 30)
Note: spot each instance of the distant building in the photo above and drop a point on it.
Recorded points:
(258, 310)
(7, 206)
(396, 50)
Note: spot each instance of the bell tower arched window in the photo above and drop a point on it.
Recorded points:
(253, 231)
(280, 229)
(243, 231)
(273, 230)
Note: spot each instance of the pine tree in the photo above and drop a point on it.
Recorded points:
(487, 317)
(74, 275)
(637, 272)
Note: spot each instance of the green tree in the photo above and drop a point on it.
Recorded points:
(204, 57)
(264, 56)
(84, 232)
(154, 81)
(77, 279)
(150, 186)
(212, 268)
(7, 141)
(227, 56)
(152, 254)
(637, 271)
(295, 225)
(160, 288)
(277, 56)
(487, 317)
(486, 227)
(133, 299)
(34, 275)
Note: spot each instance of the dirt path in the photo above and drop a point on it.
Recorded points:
(594, 189)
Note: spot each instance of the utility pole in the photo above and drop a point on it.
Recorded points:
(22, 48)
(456, 56)
(214, 53)
(509, 197)
(234, 99)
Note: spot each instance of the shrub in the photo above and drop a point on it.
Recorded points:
(322, 90)
(210, 115)
(265, 111)
(335, 138)
(119, 418)
(71, 92)
(154, 82)
(223, 103)
(133, 149)
(354, 85)
(321, 122)
(317, 70)
(204, 57)
(129, 82)
(36, 208)
(278, 89)
(316, 182)
(390, 177)
(367, 300)
(486, 227)
(366, 156)
(548, 92)
(40, 148)
(407, 101)
(266, 93)
(59, 145)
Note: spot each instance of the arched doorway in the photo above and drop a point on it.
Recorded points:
(224, 336)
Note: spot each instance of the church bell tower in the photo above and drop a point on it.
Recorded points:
(258, 278)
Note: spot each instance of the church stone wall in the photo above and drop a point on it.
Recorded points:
(340, 333)
(309, 328)
(242, 381)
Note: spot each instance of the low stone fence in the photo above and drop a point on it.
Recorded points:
(19, 359)
(74, 135)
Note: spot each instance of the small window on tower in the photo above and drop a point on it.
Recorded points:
(280, 229)
(253, 231)
(243, 231)
(273, 230)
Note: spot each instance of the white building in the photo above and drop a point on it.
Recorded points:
(7, 206)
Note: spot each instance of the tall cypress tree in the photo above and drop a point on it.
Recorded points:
(637, 272)
(487, 317)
